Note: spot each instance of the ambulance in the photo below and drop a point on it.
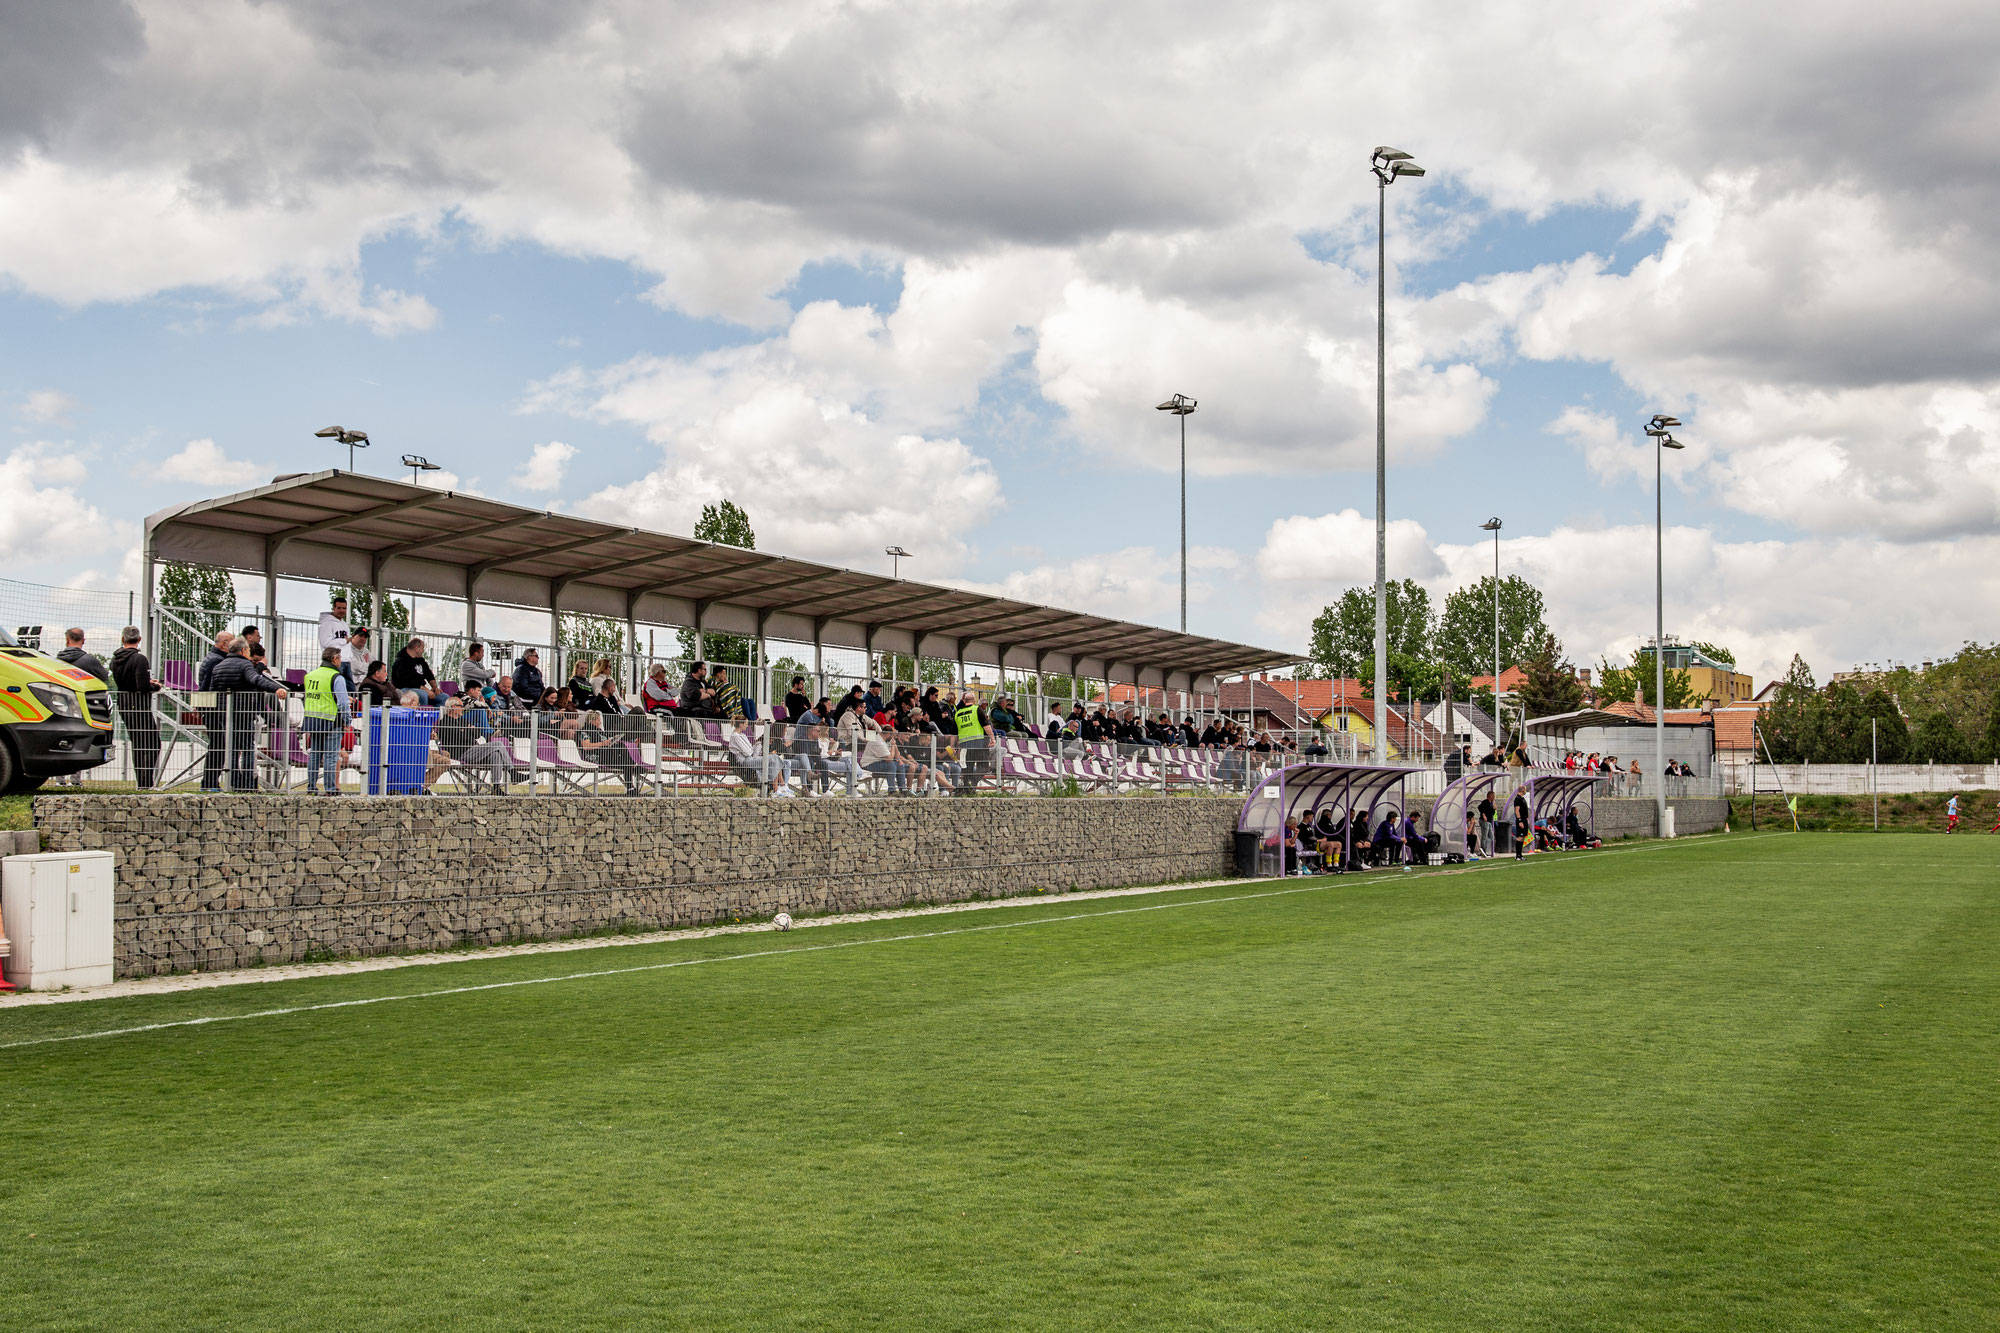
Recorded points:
(54, 718)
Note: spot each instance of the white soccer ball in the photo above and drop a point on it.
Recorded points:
(783, 921)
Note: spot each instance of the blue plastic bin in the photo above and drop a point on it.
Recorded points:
(408, 733)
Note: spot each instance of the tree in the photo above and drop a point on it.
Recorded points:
(199, 588)
(910, 670)
(1795, 723)
(1714, 652)
(1989, 744)
(1962, 686)
(1464, 636)
(1891, 736)
(1680, 685)
(1844, 739)
(1343, 635)
(1615, 685)
(1549, 685)
(581, 636)
(1939, 741)
(726, 525)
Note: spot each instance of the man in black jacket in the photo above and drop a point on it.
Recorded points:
(411, 672)
(241, 685)
(214, 718)
(528, 685)
(74, 654)
(132, 677)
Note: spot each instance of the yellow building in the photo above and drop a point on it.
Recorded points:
(1711, 681)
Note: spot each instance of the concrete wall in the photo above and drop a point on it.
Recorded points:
(1622, 817)
(223, 882)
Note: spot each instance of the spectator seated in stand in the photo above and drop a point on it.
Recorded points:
(697, 695)
(411, 674)
(376, 691)
(462, 741)
(754, 768)
(600, 738)
(473, 673)
(657, 695)
(528, 684)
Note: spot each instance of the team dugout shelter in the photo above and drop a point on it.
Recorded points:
(344, 528)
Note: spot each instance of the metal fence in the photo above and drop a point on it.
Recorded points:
(256, 742)
(37, 615)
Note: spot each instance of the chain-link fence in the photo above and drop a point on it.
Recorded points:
(38, 615)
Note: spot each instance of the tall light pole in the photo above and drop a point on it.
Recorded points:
(896, 556)
(353, 439)
(1181, 405)
(1492, 525)
(1660, 428)
(1387, 164)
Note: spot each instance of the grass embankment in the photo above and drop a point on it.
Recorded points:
(16, 812)
(1921, 812)
(1738, 1083)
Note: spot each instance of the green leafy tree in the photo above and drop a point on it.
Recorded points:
(1794, 726)
(1715, 652)
(1550, 685)
(1464, 636)
(1343, 635)
(1615, 685)
(580, 636)
(726, 525)
(201, 588)
(1962, 687)
(1939, 741)
(1892, 734)
(903, 668)
(1845, 735)
(1680, 684)
(1989, 743)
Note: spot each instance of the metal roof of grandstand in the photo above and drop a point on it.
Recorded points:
(343, 527)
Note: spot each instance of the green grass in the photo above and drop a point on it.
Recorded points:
(1730, 1084)
(1908, 812)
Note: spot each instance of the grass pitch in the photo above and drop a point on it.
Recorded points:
(1740, 1083)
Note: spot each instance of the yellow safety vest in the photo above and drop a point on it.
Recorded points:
(319, 693)
(968, 722)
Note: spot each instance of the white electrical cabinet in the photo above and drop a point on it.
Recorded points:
(56, 909)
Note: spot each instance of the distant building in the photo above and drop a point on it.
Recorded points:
(1713, 682)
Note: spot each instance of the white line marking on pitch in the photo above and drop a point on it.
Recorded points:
(1321, 883)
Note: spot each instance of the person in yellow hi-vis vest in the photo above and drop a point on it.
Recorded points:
(974, 745)
(327, 713)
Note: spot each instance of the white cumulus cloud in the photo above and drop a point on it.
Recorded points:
(203, 463)
(545, 466)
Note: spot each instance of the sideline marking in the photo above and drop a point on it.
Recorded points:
(1322, 883)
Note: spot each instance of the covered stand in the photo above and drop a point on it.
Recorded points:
(1300, 789)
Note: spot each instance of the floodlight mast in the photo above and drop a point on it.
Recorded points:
(1660, 429)
(896, 556)
(1493, 525)
(1387, 164)
(1181, 405)
(418, 464)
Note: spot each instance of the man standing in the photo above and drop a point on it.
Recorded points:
(334, 631)
(1522, 831)
(327, 713)
(236, 675)
(1487, 813)
(74, 654)
(132, 677)
(214, 712)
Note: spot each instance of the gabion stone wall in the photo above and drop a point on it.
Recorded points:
(222, 882)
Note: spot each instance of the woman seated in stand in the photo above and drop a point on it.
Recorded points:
(600, 740)
(658, 694)
(1332, 834)
(559, 717)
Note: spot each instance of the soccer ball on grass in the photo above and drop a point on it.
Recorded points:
(783, 921)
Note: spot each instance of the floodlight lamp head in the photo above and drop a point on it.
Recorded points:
(1490, 525)
(330, 432)
(1180, 405)
(420, 463)
(1669, 442)
(1405, 169)
(896, 551)
(1383, 153)
(1662, 422)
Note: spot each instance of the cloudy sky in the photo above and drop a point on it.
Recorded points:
(896, 273)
